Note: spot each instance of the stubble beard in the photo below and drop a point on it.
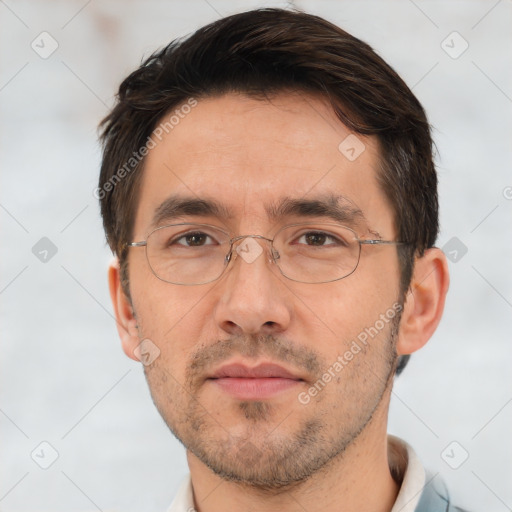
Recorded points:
(260, 456)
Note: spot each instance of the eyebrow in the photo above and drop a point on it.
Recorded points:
(179, 206)
(335, 207)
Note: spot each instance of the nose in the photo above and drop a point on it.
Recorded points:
(252, 296)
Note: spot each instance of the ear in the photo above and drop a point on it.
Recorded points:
(424, 302)
(125, 318)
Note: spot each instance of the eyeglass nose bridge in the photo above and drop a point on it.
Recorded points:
(273, 253)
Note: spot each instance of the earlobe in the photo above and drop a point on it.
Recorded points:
(123, 310)
(424, 302)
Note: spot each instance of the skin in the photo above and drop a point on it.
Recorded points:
(276, 453)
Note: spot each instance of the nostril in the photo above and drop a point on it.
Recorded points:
(232, 328)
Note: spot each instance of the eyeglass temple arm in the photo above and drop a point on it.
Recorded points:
(382, 242)
(137, 244)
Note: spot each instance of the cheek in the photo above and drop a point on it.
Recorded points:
(170, 316)
(159, 306)
(344, 310)
(379, 274)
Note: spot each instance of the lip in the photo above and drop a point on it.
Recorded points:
(254, 383)
(261, 371)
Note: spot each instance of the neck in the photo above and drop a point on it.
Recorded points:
(358, 479)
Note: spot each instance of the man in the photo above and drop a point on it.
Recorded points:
(268, 189)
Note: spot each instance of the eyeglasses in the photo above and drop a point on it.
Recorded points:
(194, 254)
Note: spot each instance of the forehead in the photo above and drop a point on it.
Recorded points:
(249, 155)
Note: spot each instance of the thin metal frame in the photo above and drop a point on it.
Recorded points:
(273, 251)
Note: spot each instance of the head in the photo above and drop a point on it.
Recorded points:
(258, 121)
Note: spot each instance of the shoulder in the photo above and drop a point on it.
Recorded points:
(435, 497)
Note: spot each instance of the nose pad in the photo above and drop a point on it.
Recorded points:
(274, 255)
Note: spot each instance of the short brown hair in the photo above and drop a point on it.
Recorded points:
(260, 53)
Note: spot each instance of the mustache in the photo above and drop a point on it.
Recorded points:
(277, 349)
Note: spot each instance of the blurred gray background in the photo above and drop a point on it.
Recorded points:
(64, 378)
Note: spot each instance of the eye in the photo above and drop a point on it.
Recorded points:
(195, 239)
(319, 239)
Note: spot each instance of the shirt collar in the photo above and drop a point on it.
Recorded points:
(413, 477)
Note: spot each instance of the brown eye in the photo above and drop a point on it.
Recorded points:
(197, 239)
(315, 238)
(318, 239)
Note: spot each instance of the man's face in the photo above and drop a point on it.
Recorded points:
(250, 156)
